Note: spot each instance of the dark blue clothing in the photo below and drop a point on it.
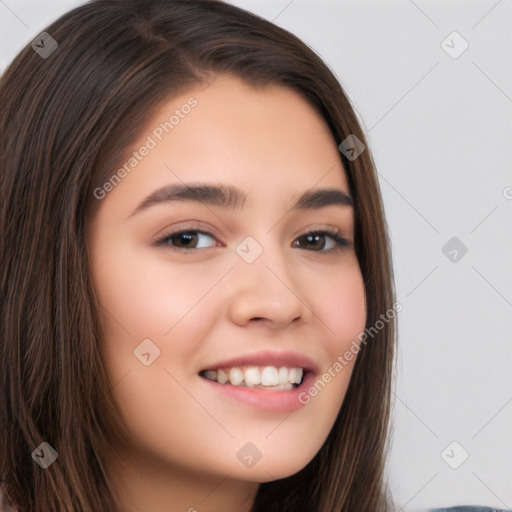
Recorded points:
(468, 508)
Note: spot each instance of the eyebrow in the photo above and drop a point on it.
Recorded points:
(228, 196)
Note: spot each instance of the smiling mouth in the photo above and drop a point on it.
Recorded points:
(258, 377)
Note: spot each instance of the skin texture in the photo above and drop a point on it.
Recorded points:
(208, 304)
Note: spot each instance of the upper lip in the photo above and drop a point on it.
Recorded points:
(268, 358)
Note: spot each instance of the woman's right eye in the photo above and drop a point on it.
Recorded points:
(185, 239)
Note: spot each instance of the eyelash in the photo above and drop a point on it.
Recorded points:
(341, 243)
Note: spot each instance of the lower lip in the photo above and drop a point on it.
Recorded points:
(266, 399)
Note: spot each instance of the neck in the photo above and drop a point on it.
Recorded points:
(148, 485)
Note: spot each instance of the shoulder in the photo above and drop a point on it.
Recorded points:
(468, 508)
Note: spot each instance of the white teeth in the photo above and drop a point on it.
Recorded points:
(269, 377)
(295, 375)
(252, 376)
(222, 376)
(236, 377)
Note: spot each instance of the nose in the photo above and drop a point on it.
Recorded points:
(265, 291)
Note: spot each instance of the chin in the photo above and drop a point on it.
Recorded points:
(274, 470)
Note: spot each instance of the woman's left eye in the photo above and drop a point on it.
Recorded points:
(188, 239)
(314, 237)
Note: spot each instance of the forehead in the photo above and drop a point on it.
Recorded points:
(264, 140)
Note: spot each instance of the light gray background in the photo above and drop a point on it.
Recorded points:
(440, 129)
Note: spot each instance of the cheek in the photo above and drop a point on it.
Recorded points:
(150, 298)
(341, 303)
(155, 301)
(341, 306)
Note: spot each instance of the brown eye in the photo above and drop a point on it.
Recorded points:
(316, 241)
(185, 239)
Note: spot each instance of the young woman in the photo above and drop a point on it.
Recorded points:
(198, 308)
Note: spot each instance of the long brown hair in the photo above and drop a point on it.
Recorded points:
(66, 119)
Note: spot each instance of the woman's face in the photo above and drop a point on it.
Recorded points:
(242, 293)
